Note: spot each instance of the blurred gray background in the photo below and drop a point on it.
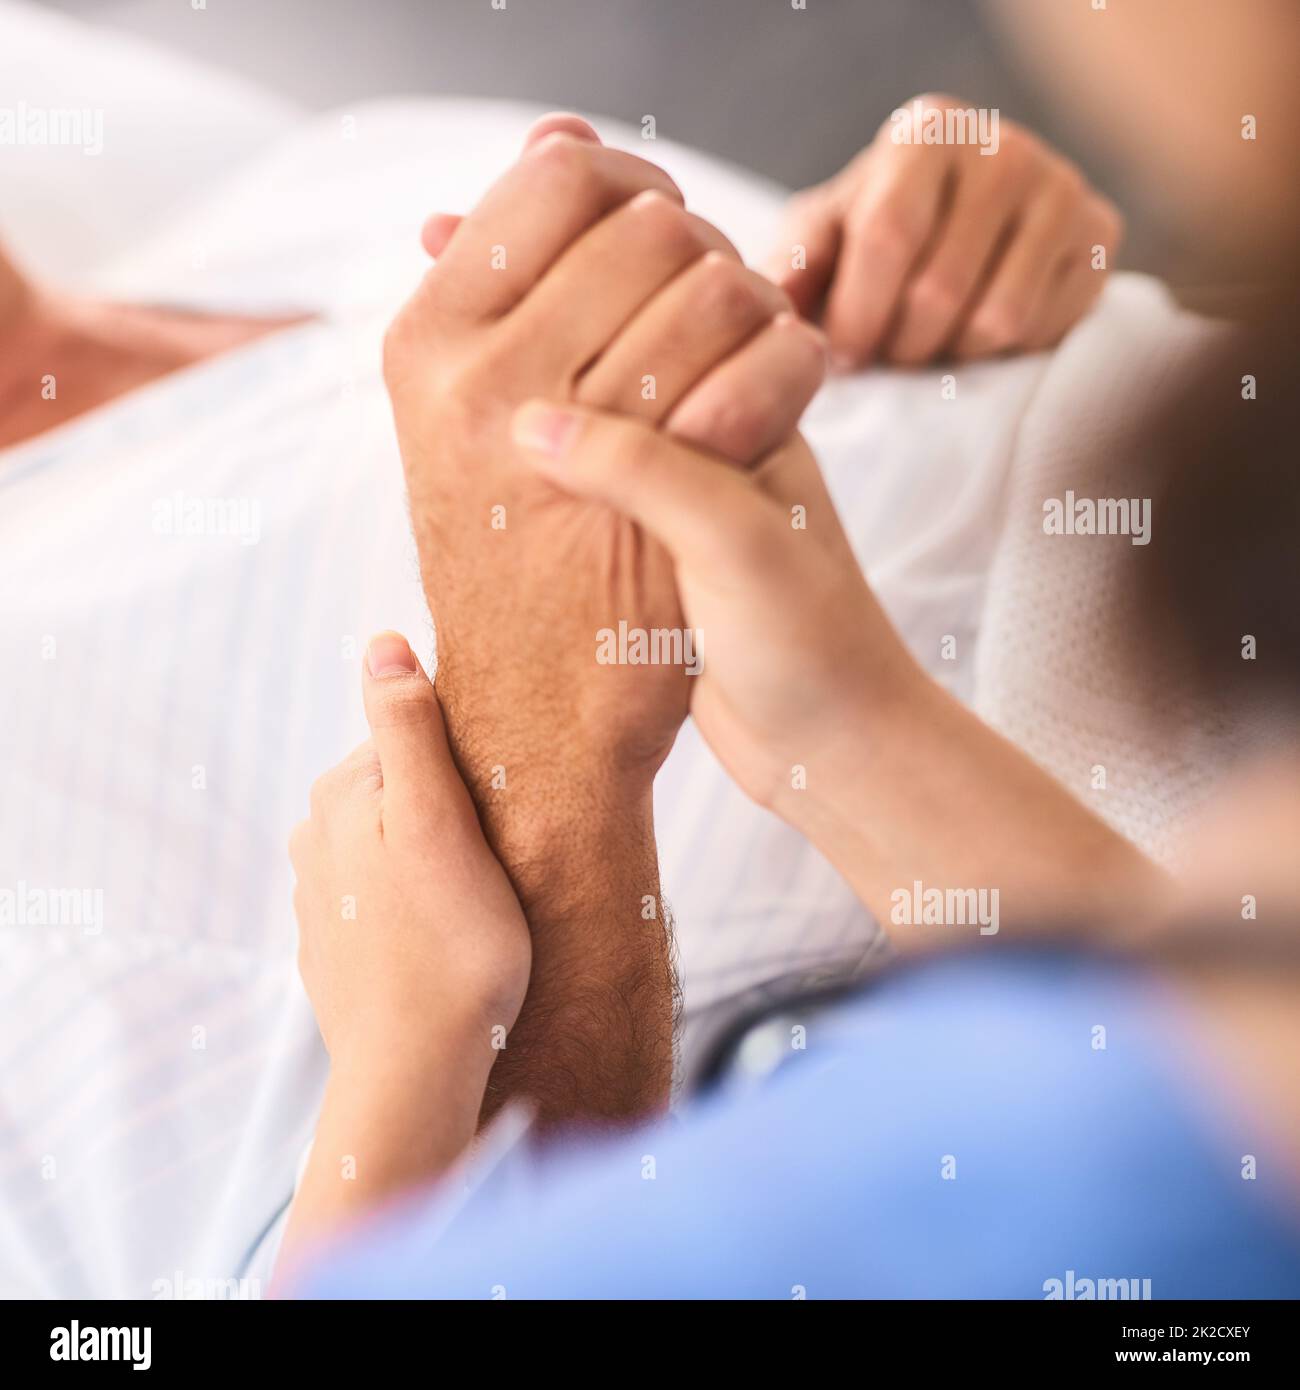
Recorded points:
(792, 94)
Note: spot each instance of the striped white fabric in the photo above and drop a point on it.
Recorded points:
(169, 697)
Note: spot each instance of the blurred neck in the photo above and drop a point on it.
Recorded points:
(15, 294)
(65, 354)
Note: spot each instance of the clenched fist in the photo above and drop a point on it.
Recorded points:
(579, 276)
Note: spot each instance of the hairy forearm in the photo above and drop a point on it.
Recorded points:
(593, 1044)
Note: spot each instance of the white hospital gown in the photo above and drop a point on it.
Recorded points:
(168, 699)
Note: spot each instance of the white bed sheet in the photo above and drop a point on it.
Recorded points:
(170, 701)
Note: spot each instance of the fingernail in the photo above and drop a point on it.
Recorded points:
(544, 428)
(390, 654)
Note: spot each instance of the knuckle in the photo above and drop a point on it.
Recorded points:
(727, 290)
(397, 346)
(399, 704)
(1068, 183)
(1017, 158)
(732, 422)
(887, 232)
(926, 100)
(934, 292)
(567, 164)
(563, 154)
(1001, 324)
(941, 99)
(1111, 222)
(664, 223)
(806, 345)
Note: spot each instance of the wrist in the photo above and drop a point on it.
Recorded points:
(411, 1051)
(833, 793)
(594, 1041)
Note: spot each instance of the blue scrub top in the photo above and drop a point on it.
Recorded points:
(1018, 1125)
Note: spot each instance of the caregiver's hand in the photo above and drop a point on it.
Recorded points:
(412, 946)
(796, 651)
(917, 250)
(409, 933)
(809, 698)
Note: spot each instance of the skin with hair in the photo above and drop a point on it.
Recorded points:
(670, 509)
(580, 274)
(916, 785)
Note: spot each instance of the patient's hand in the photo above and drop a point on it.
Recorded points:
(581, 276)
(915, 251)
(578, 277)
(412, 946)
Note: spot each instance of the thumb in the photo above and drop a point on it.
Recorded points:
(405, 725)
(703, 510)
(802, 265)
(438, 230)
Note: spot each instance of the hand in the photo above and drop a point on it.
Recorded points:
(414, 952)
(796, 650)
(579, 276)
(915, 251)
(811, 701)
(412, 945)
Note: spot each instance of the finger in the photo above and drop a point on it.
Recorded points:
(352, 782)
(437, 232)
(701, 509)
(886, 230)
(1074, 290)
(599, 284)
(559, 187)
(1013, 301)
(985, 203)
(700, 317)
(752, 401)
(407, 729)
(805, 260)
(560, 123)
(1082, 276)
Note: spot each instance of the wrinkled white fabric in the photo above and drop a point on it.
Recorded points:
(169, 698)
